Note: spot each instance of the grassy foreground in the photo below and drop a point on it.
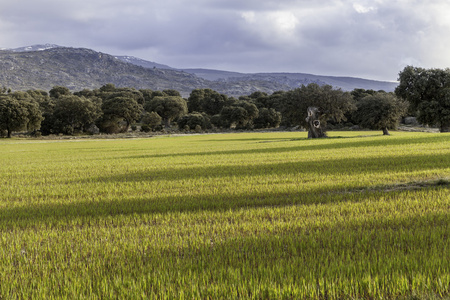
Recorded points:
(249, 215)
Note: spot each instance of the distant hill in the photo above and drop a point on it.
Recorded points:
(48, 65)
(295, 80)
(78, 69)
(291, 80)
(143, 63)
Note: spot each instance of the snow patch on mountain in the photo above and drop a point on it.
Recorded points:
(39, 47)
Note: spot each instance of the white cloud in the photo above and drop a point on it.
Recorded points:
(363, 9)
(271, 28)
(249, 16)
(284, 21)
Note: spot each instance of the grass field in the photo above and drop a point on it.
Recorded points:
(246, 215)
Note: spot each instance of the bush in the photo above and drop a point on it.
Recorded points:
(146, 128)
(151, 120)
(110, 126)
(36, 134)
(198, 128)
(195, 121)
(267, 118)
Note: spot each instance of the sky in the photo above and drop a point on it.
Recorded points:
(359, 38)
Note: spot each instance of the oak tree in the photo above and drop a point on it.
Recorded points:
(428, 92)
(381, 111)
(168, 107)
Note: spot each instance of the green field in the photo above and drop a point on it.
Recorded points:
(245, 215)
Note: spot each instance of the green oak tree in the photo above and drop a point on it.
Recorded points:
(428, 92)
(380, 111)
(13, 115)
(168, 107)
(207, 101)
(33, 109)
(329, 103)
(19, 111)
(194, 120)
(119, 113)
(239, 115)
(59, 91)
(73, 113)
(150, 121)
(267, 118)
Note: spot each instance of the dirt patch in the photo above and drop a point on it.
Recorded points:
(410, 186)
(444, 182)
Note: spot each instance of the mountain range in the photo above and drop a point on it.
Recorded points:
(45, 66)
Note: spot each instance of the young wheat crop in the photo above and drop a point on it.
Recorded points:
(248, 215)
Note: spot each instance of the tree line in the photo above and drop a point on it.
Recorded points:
(110, 109)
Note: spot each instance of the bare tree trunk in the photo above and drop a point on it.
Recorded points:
(385, 131)
(315, 128)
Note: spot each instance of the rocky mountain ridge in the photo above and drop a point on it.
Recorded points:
(45, 66)
(292, 80)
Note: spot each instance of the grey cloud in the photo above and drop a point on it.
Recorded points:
(332, 37)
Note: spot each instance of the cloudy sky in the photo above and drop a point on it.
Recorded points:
(361, 38)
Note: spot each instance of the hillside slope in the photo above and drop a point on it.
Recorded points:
(45, 66)
(295, 80)
(78, 69)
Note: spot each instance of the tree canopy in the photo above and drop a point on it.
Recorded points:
(332, 104)
(73, 113)
(168, 107)
(194, 121)
(380, 111)
(19, 111)
(428, 92)
(120, 112)
(206, 101)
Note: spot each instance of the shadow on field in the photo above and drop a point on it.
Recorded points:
(13, 217)
(344, 166)
(307, 145)
(22, 217)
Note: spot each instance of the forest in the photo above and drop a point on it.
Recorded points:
(421, 93)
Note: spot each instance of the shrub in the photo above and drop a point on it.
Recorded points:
(195, 120)
(152, 120)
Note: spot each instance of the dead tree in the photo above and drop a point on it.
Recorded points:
(315, 128)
